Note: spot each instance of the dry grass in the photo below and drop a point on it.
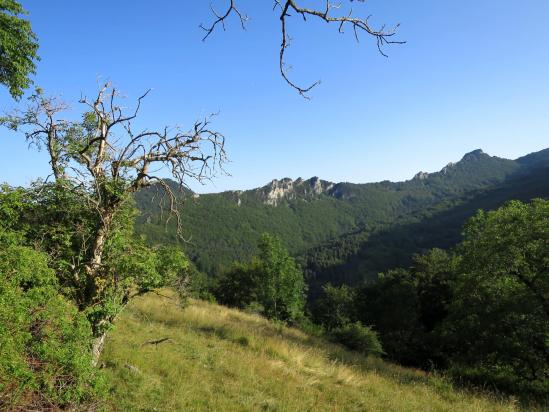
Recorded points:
(219, 359)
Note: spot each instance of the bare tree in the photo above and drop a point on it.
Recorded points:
(329, 12)
(104, 160)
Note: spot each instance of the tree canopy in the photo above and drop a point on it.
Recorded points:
(18, 48)
(498, 322)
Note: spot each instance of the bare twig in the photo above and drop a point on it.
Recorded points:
(220, 19)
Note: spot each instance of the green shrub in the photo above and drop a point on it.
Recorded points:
(45, 342)
(358, 337)
(238, 286)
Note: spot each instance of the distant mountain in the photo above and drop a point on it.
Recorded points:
(359, 256)
(535, 160)
(333, 226)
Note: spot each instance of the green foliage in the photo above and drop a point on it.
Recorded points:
(281, 285)
(406, 307)
(45, 342)
(336, 311)
(435, 272)
(172, 264)
(498, 322)
(272, 282)
(390, 306)
(200, 285)
(358, 337)
(59, 221)
(176, 271)
(18, 53)
(239, 286)
(50, 309)
(137, 265)
(335, 308)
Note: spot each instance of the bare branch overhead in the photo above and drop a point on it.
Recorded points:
(344, 19)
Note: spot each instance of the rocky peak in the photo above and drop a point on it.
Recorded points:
(278, 189)
(474, 155)
(447, 168)
(288, 189)
(319, 186)
(421, 176)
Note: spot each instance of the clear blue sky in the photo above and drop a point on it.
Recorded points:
(474, 74)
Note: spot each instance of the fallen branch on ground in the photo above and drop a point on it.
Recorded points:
(156, 342)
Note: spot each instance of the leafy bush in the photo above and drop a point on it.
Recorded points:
(390, 305)
(406, 306)
(358, 337)
(200, 285)
(60, 223)
(238, 286)
(481, 311)
(45, 342)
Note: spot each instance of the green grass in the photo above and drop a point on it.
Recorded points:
(219, 359)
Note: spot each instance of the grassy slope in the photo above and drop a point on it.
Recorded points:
(218, 359)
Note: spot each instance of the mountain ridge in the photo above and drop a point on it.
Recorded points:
(320, 185)
(278, 190)
(224, 227)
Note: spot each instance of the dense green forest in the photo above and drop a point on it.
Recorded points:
(344, 233)
(359, 256)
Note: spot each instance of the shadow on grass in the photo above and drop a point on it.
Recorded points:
(224, 333)
(332, 352)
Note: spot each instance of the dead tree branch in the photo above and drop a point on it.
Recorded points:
(382, 35)
(220, 19)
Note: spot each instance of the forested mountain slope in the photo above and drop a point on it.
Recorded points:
(361, 255)
(344, 230)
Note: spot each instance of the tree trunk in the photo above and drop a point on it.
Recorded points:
(97, 348)
(98, 245)
(93, 270)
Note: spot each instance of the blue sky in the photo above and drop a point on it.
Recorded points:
(473, 74)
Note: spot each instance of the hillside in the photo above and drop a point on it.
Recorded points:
(361, 255)
(327, 224)
(222, 359)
